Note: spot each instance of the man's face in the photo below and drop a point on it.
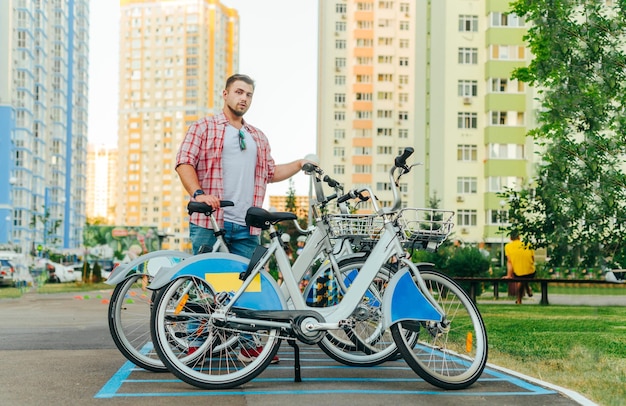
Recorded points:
(238, 97)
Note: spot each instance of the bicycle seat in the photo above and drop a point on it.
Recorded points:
(261, 218)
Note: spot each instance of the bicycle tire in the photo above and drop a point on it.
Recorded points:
(366, 343)
(452, 355)
(129, 323)
(209, 366)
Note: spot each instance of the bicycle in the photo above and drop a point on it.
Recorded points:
(130, 305)
(254, 304)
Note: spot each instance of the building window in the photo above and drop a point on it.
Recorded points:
(404, 7)
(508, 52)
(468, 23)
(403, 133)
(340, 134)
(384, 132)
(467, 120)
(384, 150)
(385, 77)
(404, 61)
(404, 25)
(340, 80)
(498, 117)
(340, 98)
(364, 96)
(467, 152)
(403, 97)
(362, 169)
(468, 56)
(339, 170)
(403, 79)
(384, 96)
(340, 44)
(339, 152)
(466, 185)
(384, 113)
(404, 43)
(340, 62)
(498, 184)
(466, 218)
(499, 19)
(384, 59)
(363, 78)
(385, 41)
(506, 151)
(340, 26)
(363, 114)
(468, 88)
(340, 8)
(340, 115)
(403, 115)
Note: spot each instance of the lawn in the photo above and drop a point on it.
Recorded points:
(581, 348)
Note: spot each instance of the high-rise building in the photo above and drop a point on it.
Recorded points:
(433, 75)
(175, 56)
(101, 183)
(43, 122)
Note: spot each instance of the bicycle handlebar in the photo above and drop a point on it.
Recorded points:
(199, 207)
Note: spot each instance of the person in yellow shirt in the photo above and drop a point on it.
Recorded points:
(520, 264)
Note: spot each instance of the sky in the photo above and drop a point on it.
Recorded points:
(278, 49)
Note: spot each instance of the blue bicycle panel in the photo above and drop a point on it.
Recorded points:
(222, 271)
(404, 301)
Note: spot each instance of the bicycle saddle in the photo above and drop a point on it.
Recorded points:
(261, 218)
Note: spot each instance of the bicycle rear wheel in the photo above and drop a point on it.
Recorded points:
(129, 322)
(451, 354)
(366, 343)
(199, 351)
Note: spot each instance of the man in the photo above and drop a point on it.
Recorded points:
(223, 157)
(520, 264)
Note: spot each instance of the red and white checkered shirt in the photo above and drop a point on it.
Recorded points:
(202, 148)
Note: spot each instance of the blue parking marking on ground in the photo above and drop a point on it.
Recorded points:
(113, 388)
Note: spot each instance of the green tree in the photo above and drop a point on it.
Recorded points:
(576, 204)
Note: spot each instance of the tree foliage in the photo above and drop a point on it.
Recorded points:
(576, 204)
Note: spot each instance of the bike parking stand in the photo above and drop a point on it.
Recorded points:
(297, 377)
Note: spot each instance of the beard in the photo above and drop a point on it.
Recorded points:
(238, 113)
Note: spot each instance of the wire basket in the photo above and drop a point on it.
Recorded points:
(354, 225)
(425, 228)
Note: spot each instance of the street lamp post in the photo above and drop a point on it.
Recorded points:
(502, 203)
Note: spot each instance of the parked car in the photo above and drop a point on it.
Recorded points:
(7, 272)
(57, 272)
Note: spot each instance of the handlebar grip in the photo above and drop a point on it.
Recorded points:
(199, 207)
(331, 182)
(345, 197)
(400, 160)
(309, 167)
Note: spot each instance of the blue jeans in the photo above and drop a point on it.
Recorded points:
(237, 237)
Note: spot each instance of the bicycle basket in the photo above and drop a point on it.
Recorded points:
(348, 225)
(425, 228)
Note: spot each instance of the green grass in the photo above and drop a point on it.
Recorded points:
(581, 348)
(13, 293)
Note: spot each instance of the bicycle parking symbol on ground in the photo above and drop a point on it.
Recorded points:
(320, 376)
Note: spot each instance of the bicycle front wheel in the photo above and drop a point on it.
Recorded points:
(129, 322)
(203, 352)
(451, 354)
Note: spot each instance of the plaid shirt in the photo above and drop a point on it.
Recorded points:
(202, 149)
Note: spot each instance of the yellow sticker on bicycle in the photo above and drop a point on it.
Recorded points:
(230, 282)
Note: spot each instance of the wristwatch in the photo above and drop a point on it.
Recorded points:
(198, 193)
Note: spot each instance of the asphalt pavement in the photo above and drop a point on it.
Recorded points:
(56, 349)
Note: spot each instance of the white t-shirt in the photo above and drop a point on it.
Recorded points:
(238, 168)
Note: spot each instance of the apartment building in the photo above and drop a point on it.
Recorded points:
(43, 122)
(101, 183)
(433, 75)
(175, 56)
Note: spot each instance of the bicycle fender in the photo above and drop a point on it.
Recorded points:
(221, 271)
(403, 300)
(122, 271)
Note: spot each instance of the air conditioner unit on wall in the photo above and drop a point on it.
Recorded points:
(467, 100)
(464, 231)
(460, 199)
